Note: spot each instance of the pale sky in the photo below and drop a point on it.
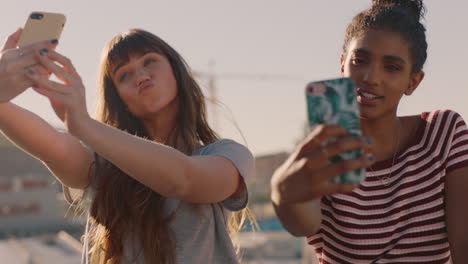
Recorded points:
(292, 42)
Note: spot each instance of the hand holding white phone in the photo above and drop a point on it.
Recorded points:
(42, 26)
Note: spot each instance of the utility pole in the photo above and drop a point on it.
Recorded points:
(213, 95)
(212, 90)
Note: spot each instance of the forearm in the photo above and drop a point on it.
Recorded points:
(29, 132)
(300, 219)
(457, 219)
(161, 168)
(456, 213)
(458, 250)
(457, 232)
(42, 141)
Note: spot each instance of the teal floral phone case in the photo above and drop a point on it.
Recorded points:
(334, 102)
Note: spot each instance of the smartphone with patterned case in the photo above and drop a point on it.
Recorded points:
(334, 102)
(42, 26)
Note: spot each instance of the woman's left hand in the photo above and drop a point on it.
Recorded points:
(68, 96)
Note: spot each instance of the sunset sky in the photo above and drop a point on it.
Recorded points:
(262, 52)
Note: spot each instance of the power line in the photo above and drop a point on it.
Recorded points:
(212, 88)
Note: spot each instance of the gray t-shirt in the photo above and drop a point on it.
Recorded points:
(200, 230)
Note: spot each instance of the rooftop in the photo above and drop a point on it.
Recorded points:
(51, 248)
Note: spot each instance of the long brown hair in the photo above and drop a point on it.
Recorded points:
(122, 207)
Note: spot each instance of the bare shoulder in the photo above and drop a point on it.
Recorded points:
(411, 123)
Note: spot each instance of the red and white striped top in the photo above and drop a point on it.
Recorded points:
(404, 220)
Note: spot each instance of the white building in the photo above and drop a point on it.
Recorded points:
(32, 213)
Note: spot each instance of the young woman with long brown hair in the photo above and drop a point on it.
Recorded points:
(410, 208)
(160, 183)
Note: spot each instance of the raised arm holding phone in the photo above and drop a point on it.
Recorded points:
(163, 186)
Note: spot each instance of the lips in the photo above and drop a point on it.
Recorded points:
(367, 94)
(144, 86)
(367, 97)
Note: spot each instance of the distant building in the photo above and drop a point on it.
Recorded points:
(266, 165)
(270, 245)
(29, 199)
(16, 163)
(28, 206)
(32, 213)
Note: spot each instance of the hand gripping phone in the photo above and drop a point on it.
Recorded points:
(334, 102)
(42, 26)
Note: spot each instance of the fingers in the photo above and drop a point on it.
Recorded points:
(333, 188)
(307, 192)
(334, 169)
(43, 82)
(12, 40)
(62, 60)
(46, 44)
(321, 156)
(21, 62)
(308, 177)
(39, 69)
(19, 81)
(18, 59)
(66, 72)
(321, 184)
(13, 53)
(23, 82)
(52, 95)
(345, 144)
(307, 173)
(319, 136)
(320, 172)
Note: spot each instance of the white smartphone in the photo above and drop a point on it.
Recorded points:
(42, 26)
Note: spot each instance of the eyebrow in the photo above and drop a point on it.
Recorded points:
(386, 57)
(118, 67)
(123, 63)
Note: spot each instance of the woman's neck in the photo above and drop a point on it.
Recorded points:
(160, 128)
(386, 134)
(161, 125)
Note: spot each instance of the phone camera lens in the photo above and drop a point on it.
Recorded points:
(37, 16)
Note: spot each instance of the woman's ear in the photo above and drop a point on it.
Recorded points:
(415, 80)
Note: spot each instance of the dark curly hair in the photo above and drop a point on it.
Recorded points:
(401, 16)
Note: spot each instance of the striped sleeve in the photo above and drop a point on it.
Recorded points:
(458, 143)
